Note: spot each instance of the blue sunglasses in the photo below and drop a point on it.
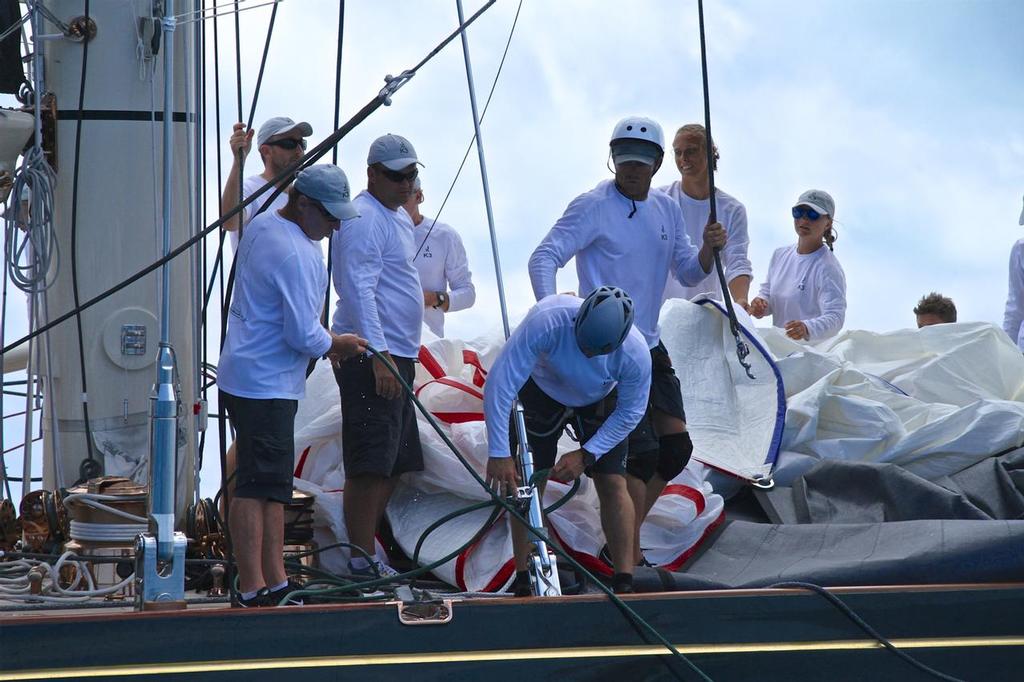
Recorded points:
(801, 211)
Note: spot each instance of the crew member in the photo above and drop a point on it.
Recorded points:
(441, 261)
(281, 142)
(623, 234)
(693, 192)
(273, 331)
(805, 290)
(580, 363)
(379, 298)
(934, 309)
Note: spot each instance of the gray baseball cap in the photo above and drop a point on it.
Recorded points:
(327, 184)
(278, 125)
(394, 152)
(819, 200)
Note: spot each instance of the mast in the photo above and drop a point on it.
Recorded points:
(117, 211)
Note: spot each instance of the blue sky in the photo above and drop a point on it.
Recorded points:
(910, 113)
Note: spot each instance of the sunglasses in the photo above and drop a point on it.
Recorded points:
(395, 176)
(801, 211)
(288, 143)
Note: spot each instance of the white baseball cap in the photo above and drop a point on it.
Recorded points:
(819, 200)
(279, 125)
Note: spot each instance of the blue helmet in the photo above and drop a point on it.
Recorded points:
(603, 321)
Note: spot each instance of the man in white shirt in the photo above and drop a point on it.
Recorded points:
(693, 192)
(441, 261)
(580, 363)
(379, 298)
(281, 142)
(623, 234)
(274, 330)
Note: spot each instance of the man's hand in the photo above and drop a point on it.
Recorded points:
(569, 467)
(345, 346)
(758, 307)
(714, 235)
(386, 384)
(502, 475)
(795, 329)
(240, 140)
(429, 299)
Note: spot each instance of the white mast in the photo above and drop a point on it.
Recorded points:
(119, 231)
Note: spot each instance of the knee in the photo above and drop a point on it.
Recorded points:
(610, 485)
(674, 452)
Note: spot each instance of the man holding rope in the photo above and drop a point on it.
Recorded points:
(621, 233)
(274, 330)
(580, 363)
(379, 297)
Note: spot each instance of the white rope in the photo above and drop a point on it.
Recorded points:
(107, 532)
(18, 587)
(96, 501)
(200, 15)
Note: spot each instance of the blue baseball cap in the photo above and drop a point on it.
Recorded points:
(327, 184)
(394, 152)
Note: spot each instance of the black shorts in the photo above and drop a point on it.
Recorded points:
(545, 420)
(666, 396)
(264, 446)
(379, 437)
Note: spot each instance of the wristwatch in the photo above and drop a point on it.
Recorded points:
(442, 298)
(588, 458)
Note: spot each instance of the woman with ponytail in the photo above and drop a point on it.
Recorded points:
(805, 291)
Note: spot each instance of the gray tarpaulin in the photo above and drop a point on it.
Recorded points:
(860, 523)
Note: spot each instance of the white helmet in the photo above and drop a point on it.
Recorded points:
(639, 128)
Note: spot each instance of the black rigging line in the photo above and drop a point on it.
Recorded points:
(472, 141)
(90, 466)
(334, 151)
(383, 97)
(221, 423)
(226, 300)
(742, 350)
(203, 345)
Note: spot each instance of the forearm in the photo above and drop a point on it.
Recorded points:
(739, 287)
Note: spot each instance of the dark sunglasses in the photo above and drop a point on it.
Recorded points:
(395, 176)
(288, 143)
(801, 211)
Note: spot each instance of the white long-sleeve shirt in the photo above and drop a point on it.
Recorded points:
(733, 216)
(1013, 316)
(249, 186)
(807, 287)
(443, 266)
(544, 346)
(635, 254)
(379, 294)
(274, 322)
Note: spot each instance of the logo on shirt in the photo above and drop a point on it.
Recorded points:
(664, 236)
(802, 284)
(426, 252)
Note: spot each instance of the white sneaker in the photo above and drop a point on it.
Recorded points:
(376, 570)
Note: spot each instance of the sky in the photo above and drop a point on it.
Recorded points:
(910, 113)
